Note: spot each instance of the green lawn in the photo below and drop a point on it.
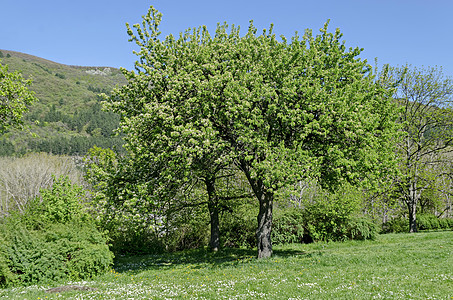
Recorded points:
(395, 266)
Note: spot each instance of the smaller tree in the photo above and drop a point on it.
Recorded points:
(426, 96)
(14, 97)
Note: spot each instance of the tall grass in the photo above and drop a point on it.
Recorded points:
(395, 266)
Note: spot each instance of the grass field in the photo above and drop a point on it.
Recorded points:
(395, 266)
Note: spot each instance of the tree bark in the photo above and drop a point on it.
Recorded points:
(263, 232)
(412, 217)
(213, 207)
(214, 242)
(265, 199)
(411, 202)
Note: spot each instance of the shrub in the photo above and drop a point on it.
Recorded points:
(133, 238)
(432, 222)
(361, 228)
(238, 228)
(84, 247)
(61, 76)
(54, 239)
(6, 276)
(60, 203)
(396, 225)
(188, 236)
(332, 216)
(60, 252)
(288, 226)
(424, 222)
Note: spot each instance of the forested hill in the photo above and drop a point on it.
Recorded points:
(68, 118)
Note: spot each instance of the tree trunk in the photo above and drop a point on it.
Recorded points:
(263, 232)
(213, 206)
(214, 242)
(265, 199)
(412, 217)
(412, 205)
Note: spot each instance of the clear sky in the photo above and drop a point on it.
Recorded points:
(93, 33)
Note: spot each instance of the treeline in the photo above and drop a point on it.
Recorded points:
(91, 119)
(68, 133)
(73, 145)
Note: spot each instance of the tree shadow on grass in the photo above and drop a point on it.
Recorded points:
(197, 258)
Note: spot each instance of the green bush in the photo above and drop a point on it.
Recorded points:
(61, 203)
(30, 260)
(333, 217)
(361, 228)
(84, 247)
(128, 238)
(238, 228)
(432, 222)
(55, 239)
(288, 226)
(6, 276)
(60, 252)
(396, 225)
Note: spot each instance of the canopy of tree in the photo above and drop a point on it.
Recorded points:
(280, 110)
(14, 97)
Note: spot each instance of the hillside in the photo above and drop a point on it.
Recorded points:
(67, 119)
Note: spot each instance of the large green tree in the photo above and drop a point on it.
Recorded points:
(280, 110)
(426, 96)
(14, 97)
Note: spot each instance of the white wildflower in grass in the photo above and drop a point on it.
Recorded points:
(307, 284)
(376, 269)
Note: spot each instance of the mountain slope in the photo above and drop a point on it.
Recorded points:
(67, 119)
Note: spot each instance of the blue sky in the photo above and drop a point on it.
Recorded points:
(93, 33)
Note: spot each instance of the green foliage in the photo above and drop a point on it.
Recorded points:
(84, 247)
(424, 222)
(334, 217)
(281, 109)
(61, 203)
(6, 276)
(361, 228)
(288, 226)
(67, 110)
(6, 148)
(189, 230)
(117, 206)
(396, 225)
(14, 97)
(70, 251)
(55, 239)
(432, 222)
(133, 238)
(238, 227)
(425, 94)
(61, 76)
